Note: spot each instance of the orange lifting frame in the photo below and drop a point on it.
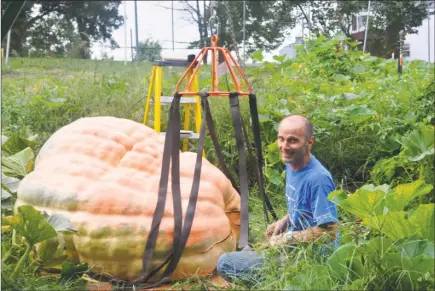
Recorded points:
(215, 78)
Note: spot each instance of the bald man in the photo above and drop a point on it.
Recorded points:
(311, 216)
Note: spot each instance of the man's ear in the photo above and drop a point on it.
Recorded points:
(311, 141)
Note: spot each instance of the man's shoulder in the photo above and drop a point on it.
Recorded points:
(318, 175)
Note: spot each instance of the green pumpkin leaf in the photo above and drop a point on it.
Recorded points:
(257, 55)
(423, 221)
(370, 187)
(377, 247)
(345, 262)
(16, 143)
(273, 176)
(384, 170)
(59, 222)
(9, 187)
(361, 110)
(279, 58)
(392, 224)
(71, 271)
(415, 267)
(273, 156)
(10, 183)
(365, 202)
(337, 196)
(54, 262)
(413, 247)
(31, 224)
(18, 165)
(48, 248)
(419, 143)
(404, 193)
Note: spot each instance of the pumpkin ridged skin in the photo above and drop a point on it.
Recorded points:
(103, 174)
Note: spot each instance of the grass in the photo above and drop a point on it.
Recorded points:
(40, 96)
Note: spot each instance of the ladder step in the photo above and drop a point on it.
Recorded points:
(186, 134)
(168, 100)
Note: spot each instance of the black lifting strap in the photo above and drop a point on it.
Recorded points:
(181, 232)
(257, 171)
(213, 136)
(257, 141)
(243, 173)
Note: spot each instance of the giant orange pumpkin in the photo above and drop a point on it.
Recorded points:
(103, 174)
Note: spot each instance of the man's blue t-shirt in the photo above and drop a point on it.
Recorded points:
(307, 193)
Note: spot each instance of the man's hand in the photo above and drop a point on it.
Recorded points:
(280, 239)
(278, 227)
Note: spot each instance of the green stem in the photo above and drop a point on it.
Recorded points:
(22, 260)
(421, 177)
(8, 254)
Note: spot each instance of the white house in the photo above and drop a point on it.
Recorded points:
(419, 46)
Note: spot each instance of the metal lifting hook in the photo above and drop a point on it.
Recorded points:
(214, 19)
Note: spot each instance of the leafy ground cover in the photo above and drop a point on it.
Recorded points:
(374, 131)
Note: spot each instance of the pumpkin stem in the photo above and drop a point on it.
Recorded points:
(22, 260)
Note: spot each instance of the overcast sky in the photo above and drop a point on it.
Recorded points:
(154, 22)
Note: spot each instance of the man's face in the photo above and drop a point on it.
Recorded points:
(292, 143)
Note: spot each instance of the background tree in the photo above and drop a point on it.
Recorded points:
(149, 50)
(64, 24)
(387, 18)
(266, 23)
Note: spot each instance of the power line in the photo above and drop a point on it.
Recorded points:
(145, 48)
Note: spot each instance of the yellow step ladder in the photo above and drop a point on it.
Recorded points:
(159, 100)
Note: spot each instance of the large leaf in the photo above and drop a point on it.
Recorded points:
(392, 224)
(377, 247)
(273, 156)
(71, 271)
(337, 196)
(59, 222)
(9, 187)
(413, 247)
(396, 226)
(16, 143)
(18, 165)
(384, 170)
(364, 202)
(415, 266)
(31, 224)
(423, 220)
(404, 193)
(257, 55)
(273, 176)
(10, 183)
(345, 263)
(419, 143)
(6, 199)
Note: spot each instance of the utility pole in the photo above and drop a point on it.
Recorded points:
(309, 20)
(244, 33)
(8, 43)
(367, 28)
(125, 32)
(131, 45)
(400, 60)
(172, 8)
(137, 32)
(428, 31)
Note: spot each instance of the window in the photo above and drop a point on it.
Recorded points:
(357, 23)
